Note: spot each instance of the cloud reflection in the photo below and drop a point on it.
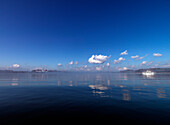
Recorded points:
(126, 95)
(161, 93)
(99, 87)
(14, 82)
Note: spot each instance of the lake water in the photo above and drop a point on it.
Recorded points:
(28, 98)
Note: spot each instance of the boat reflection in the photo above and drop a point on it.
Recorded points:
(148, 76)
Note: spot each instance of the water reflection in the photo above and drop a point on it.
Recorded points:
(59, 83)
(14, 82)
(161, 93)
(124, 77)
(126, 95)
(99, 87)
(108, 82)
(124, 86)
(102, 91)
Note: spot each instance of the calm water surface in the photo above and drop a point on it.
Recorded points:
(89, 97)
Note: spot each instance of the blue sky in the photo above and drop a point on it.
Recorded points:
(37, 33)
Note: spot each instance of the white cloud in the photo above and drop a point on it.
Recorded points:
(125, 68)
(134, 57)
(71, 63)
(138, 58)
(15, 65)
(85, 66)
(76, 62)
(132, 66)
(150, 63)
(82, 68)
(59, 64)
(98, 59)
(119, 60)
(144, 62)
(108, 64)
(98, 68)
(157, 54)
(122, 68)
(124, 53)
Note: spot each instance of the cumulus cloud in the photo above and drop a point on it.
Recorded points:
(122, 68)
(108, 64)
(143, 63)
(135, 57)
(138, 58)
(150, 63)
(124, 53)
(59, 64)
(71, 63)
(132, 66)
(157, 54)
(146, 63)
(85, 66)
(82, 68)
(76, 62)
(98, 68)
(98, 59)
(15, 65)
(119, 60)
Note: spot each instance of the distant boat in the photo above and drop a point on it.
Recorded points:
(148, 73)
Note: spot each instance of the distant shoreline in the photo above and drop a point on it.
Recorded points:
(138, 71)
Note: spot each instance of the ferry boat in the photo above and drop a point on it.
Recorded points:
(148, 73)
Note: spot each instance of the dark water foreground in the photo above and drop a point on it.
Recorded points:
(90, 98)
